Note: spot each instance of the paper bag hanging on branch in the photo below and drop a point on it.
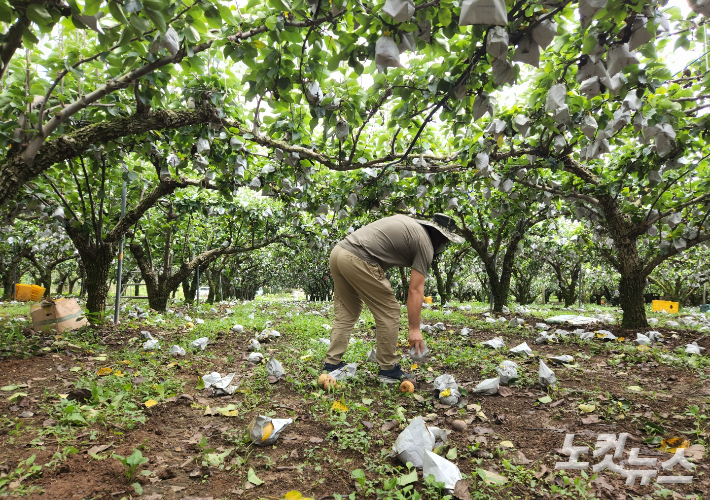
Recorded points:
(590, 87)
(342, 130)
(561, 115)
(503, 72)
(407, 42)
(497, 42)
(640, 34)
(522, 123)
(424, 31)
(619, 57)
(496, 127)
(399, 10)
(544, 33)
(559, 143)
(589, 126)
(613, 84)
(665, 139)
(640, 122)
(528, 52)
(588, 9)
(487, 12)
(386, 54)
(555, 97)
(590, 69)
(481, 105)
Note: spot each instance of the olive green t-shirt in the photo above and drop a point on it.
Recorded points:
(393, 241)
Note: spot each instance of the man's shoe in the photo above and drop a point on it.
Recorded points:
(391, 376)
(329, 368)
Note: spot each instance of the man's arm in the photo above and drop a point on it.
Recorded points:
(414, 310)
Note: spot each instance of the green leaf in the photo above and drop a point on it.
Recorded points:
(588, 44)
(213, 17)
(253, 478)
(115, 9)
(444, 16)
(137, 488)
(452, 454)
(271, 22)
(406, 479)
(157, 19)
(280, 5)
(545, 399)
(367, 401)
(38, 14)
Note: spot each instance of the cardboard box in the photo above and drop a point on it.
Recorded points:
(60, 314)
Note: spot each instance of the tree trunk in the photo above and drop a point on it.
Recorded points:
(631, 301)
(405, 284)
(8, 283)
(440, 284)
(97, 266)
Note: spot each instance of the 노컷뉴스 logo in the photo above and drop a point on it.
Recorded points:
(609, 448)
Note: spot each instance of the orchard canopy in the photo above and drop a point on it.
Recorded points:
(506, 115)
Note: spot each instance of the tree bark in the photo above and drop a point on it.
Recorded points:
(405, 284)
(631, 301)
(15, 171)
(440, 284)
(97, 264)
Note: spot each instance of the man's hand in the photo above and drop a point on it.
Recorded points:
(416, 341)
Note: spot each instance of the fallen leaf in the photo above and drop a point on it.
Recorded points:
(695, 452)
(542, 471)
(634, 388)
(545, 399)
(315, 440)
(557, 403)
(367, 425)
(104, 371)
(591, 419)
(587, 408)
(389, 425)
(271, 379)
(26, 414)
(521, 459)
(461, 490)
(367, 401)
(600, 483)
(452, 454)
(94, 450)
(253, 478)
(507, 444)
(505, 391)
(228, 411)
(490, 477)
(150, 403)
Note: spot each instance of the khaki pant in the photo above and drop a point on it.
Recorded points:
(356, 282)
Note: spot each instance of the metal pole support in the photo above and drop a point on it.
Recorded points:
(119, 271)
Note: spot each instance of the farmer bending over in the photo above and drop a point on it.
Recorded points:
(358, 265)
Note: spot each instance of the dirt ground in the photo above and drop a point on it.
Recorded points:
(316, 455)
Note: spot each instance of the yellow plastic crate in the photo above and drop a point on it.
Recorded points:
(24, 293)
(664, 306)
(37, 293)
